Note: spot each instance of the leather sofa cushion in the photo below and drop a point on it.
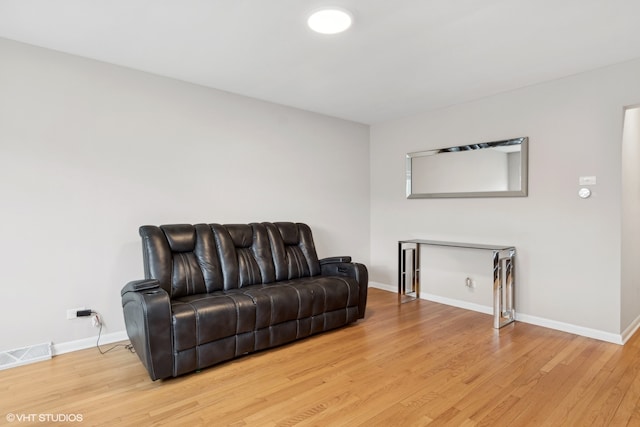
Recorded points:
(200, 319)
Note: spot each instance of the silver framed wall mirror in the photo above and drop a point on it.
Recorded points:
(486, 169)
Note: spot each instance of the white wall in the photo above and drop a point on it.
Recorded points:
(630, 290)
(90, 151)
(569, 249)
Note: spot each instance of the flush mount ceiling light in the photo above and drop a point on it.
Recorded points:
(330, 21)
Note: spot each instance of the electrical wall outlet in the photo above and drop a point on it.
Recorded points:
(72, 313)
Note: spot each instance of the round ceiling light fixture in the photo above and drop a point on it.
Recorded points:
(330, 21)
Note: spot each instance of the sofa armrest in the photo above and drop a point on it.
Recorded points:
(334, 259)
(140, 285)
(147, 316)
(349, 269)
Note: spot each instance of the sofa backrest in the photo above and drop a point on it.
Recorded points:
(245, 254)
(294, 253)
(182, 258)
(193, 259)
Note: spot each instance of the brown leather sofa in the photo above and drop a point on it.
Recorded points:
(215, 292)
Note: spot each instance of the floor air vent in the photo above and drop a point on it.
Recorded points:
(25, 355)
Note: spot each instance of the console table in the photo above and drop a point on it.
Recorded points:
(504, 260)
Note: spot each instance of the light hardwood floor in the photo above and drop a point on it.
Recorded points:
(418, 363)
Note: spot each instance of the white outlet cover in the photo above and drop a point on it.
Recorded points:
(72, 313)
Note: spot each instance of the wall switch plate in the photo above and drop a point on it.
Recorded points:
(587, 180)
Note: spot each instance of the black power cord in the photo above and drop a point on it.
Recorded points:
(99, 320)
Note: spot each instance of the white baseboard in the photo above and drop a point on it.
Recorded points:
(620, 339)
(630, 330)
(67, 347)
(526, 318)
(458, 303)
(570, 328)
(383, 286)
(436, 298)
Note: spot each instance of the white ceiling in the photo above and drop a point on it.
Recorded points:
(399, 58)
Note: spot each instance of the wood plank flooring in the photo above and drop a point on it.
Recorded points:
(413, 364)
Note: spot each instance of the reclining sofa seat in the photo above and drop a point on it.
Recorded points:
(214, 292)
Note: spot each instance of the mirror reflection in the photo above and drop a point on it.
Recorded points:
(488, 169)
